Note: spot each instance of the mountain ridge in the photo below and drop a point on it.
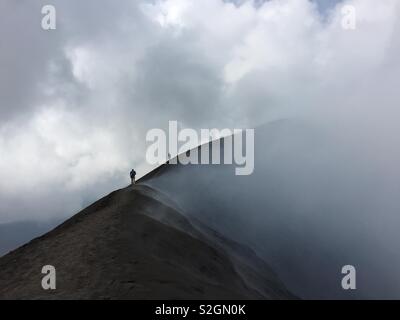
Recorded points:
(129, 245)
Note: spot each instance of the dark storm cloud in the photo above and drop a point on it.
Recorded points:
(76, 102)
(178, 82)
(24, 55)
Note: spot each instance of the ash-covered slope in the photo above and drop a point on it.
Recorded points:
(134, 244)
(312, 206)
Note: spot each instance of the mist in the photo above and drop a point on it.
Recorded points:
(76, 104)
(312, 206)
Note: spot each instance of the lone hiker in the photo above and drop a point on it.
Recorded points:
(133, 175)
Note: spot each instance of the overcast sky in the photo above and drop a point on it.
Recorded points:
(76, 102)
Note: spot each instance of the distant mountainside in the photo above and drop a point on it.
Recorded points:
(13, 235)
(136, 244)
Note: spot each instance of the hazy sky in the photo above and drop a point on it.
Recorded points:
(76, 102)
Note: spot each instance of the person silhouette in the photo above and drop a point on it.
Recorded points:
(133, 175)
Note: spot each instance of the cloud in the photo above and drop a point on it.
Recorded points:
(76, 103)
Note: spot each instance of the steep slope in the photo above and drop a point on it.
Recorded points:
(133, 244)
(311, 207)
